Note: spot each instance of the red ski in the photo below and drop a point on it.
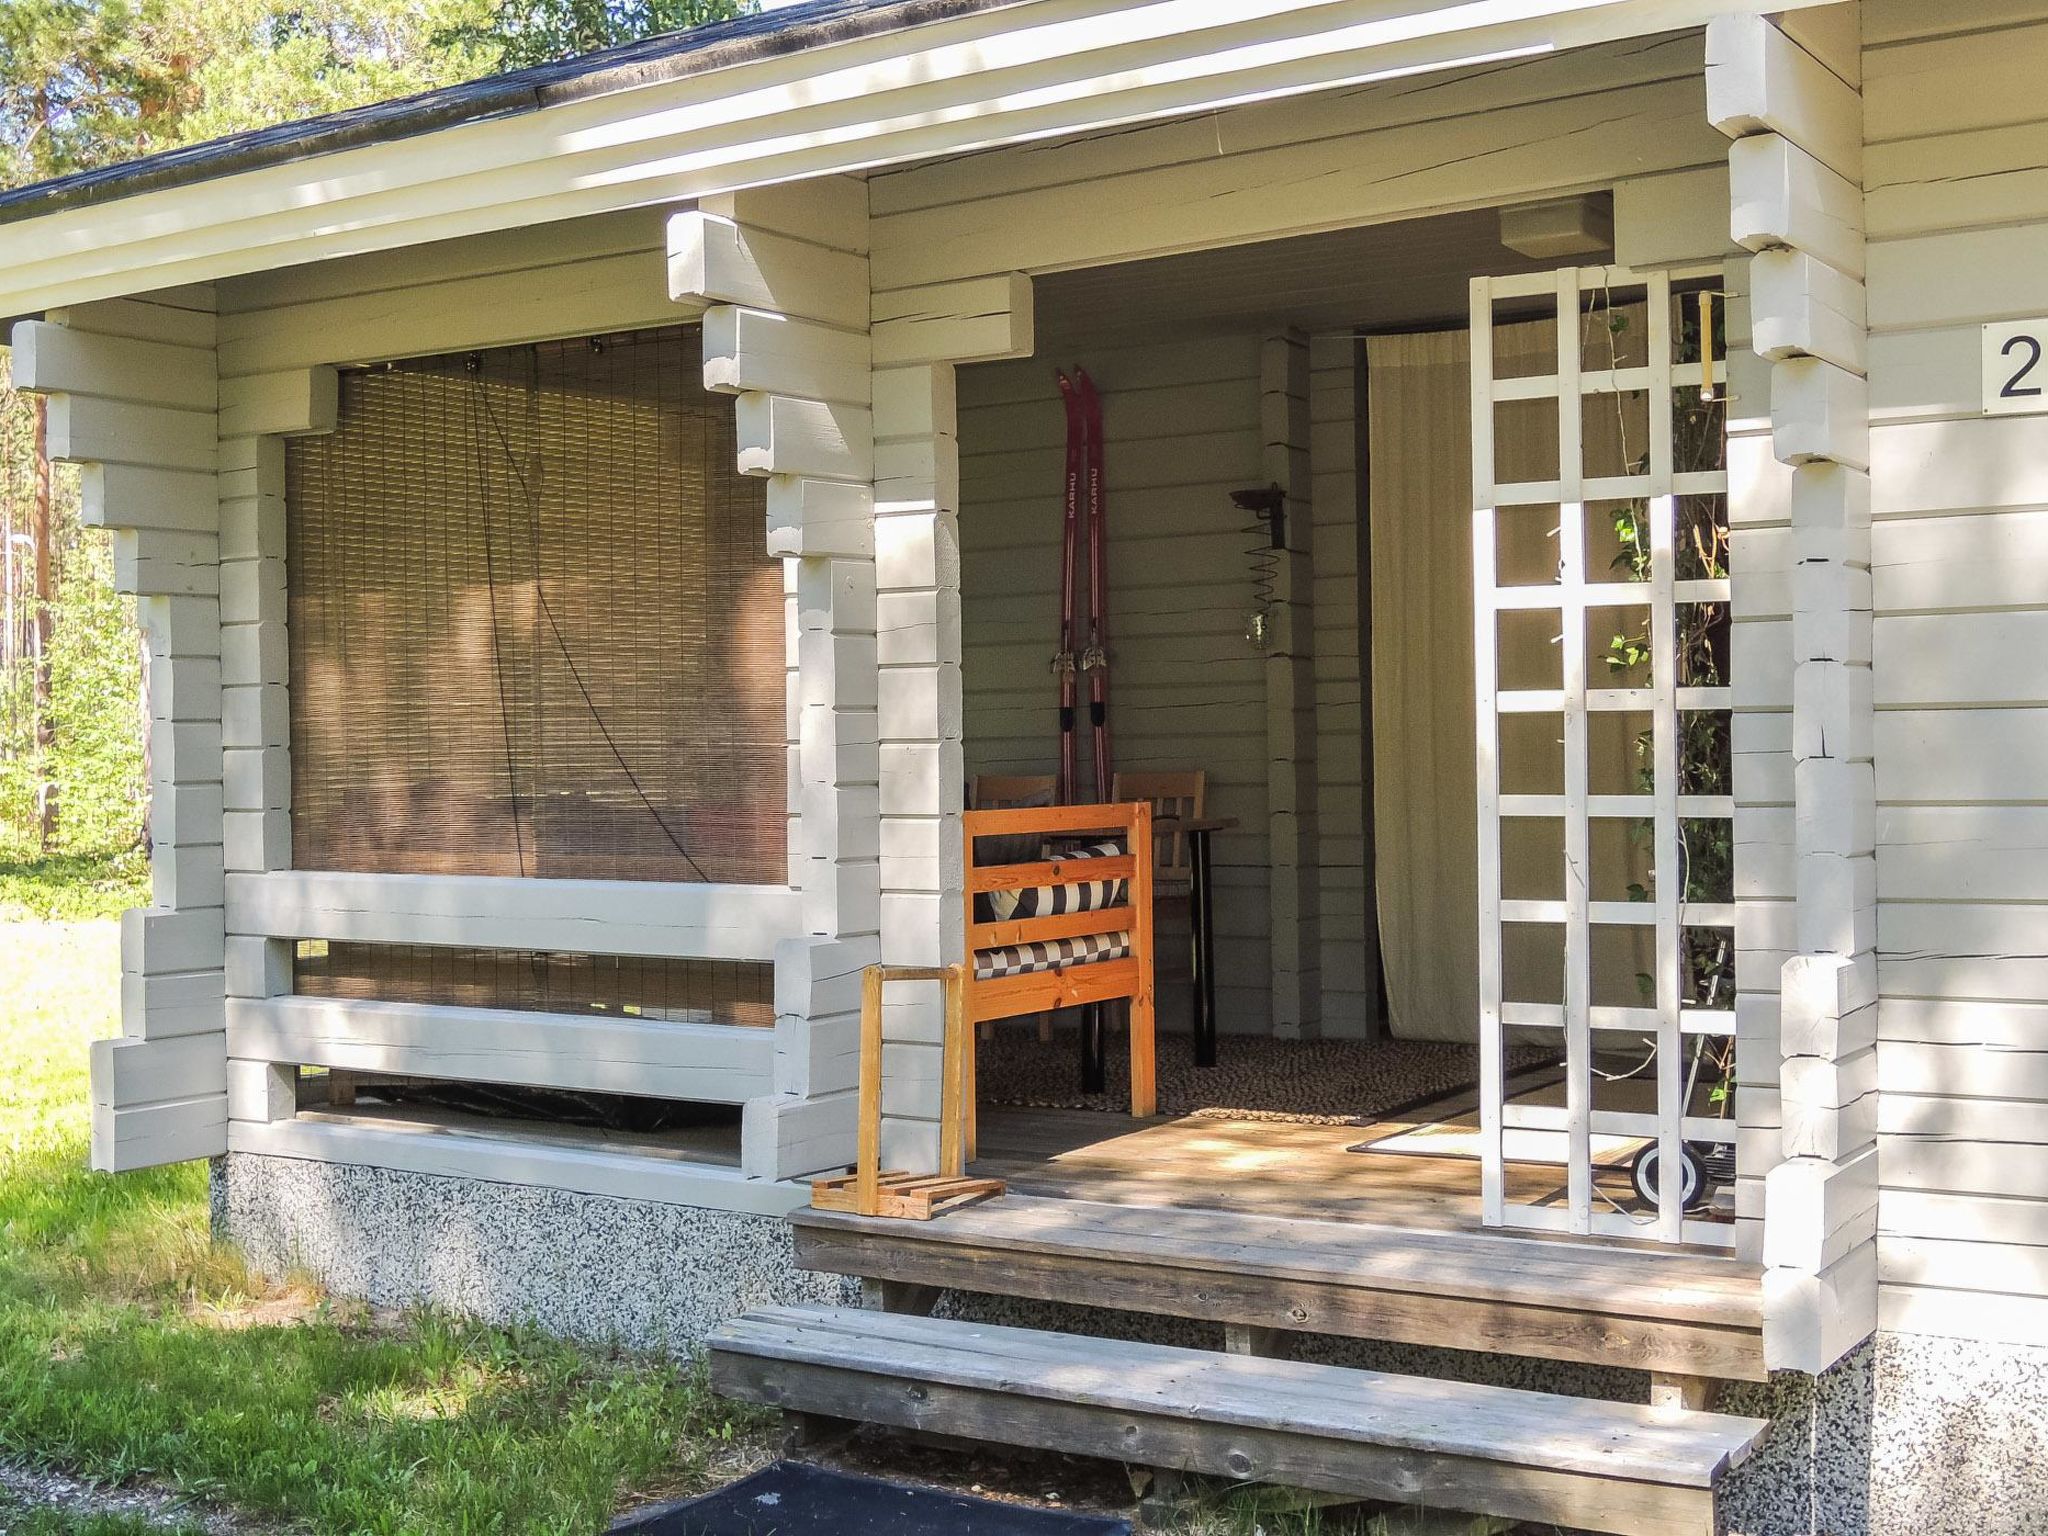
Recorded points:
(1063, 658)
(1094, 660)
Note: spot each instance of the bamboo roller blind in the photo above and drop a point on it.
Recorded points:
(533, 628)
(534, 981)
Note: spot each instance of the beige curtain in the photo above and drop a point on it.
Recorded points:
(1425, 800)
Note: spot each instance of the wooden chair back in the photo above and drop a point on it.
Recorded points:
(1011, 791)
(1182, 794)
(1083, 981)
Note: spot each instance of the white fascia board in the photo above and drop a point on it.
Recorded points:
(1006, 75)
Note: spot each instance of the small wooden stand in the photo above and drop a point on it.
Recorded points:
(867, 1190)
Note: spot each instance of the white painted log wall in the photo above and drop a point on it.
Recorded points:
(1186, 689)
(134, 399)
(1957, 208)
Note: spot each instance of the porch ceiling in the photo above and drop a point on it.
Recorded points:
(1406, 275)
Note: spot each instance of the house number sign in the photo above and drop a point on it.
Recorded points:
(2015, 367)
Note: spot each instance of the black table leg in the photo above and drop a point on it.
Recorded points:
(1094, 1050)
(1202, 943)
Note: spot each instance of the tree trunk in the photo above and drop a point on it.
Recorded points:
(45, 615)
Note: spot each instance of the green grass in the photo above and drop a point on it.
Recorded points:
(73, 886)
(133, 1347)
(14, 1521)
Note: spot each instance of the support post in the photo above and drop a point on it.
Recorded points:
(1795, 179)
(1291, 821)
(784, 273)
(919, 336)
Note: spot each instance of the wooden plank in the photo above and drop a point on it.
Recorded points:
(1238, 1454)
(150, 1135)
(1359, 1406)
(1284, 120)
(1092, 981)
(1962, 1218)
(1801, 306)
(1070, 925)
(1977, 1070)
(1507, 155)
(979, 320)
(1760, 81)
(752, 349)
(630, 917)
(1960, 755)
(868, 1144)
(1055, 871)
(1669, 893)
(1635, 1280)
(1158, 1277)
(1973, 80)
(499, 308)
(1066, 1393)
(1979, 1315)
(1784, 196)
(134, 1072)
(1958, 950)
(1486, 704)
(719, 261)
(1578, 859)
(51, 359)
(506, 1157)
(703, 1063)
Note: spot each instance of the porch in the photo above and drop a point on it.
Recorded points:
(1271, 1229)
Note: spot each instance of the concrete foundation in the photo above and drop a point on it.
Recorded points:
(637, 1273)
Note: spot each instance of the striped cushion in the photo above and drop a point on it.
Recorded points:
(1049, 955)
(1058, 900)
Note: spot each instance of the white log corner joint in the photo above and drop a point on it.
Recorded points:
(1796, 168)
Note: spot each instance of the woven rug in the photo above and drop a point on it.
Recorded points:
(1306, 1082)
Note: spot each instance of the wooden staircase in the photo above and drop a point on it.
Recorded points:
(1689, 1318)
(1574, 1462)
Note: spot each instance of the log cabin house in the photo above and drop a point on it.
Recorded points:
(1573, 485)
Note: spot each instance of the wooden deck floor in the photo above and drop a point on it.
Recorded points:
(1264, 1167)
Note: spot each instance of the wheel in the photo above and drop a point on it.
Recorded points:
(1693, 1188)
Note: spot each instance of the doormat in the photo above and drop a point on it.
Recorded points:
(794, 1498)
(1300, 1082)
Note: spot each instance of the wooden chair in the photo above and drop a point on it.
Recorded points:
(1009, 792)
(1081, 981)
(1183, 795)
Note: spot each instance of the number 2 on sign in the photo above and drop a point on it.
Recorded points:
(2015, 376)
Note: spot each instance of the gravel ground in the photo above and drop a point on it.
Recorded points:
(27, 1490)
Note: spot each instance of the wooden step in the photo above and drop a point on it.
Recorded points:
(1674, 1312)
(1598, 1466)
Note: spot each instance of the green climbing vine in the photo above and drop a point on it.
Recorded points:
(1705, 749)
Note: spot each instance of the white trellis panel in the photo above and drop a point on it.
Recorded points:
(1669, 1020)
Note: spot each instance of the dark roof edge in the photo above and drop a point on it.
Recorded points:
(651, 61)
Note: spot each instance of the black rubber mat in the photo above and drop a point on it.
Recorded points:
(793, 1498)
